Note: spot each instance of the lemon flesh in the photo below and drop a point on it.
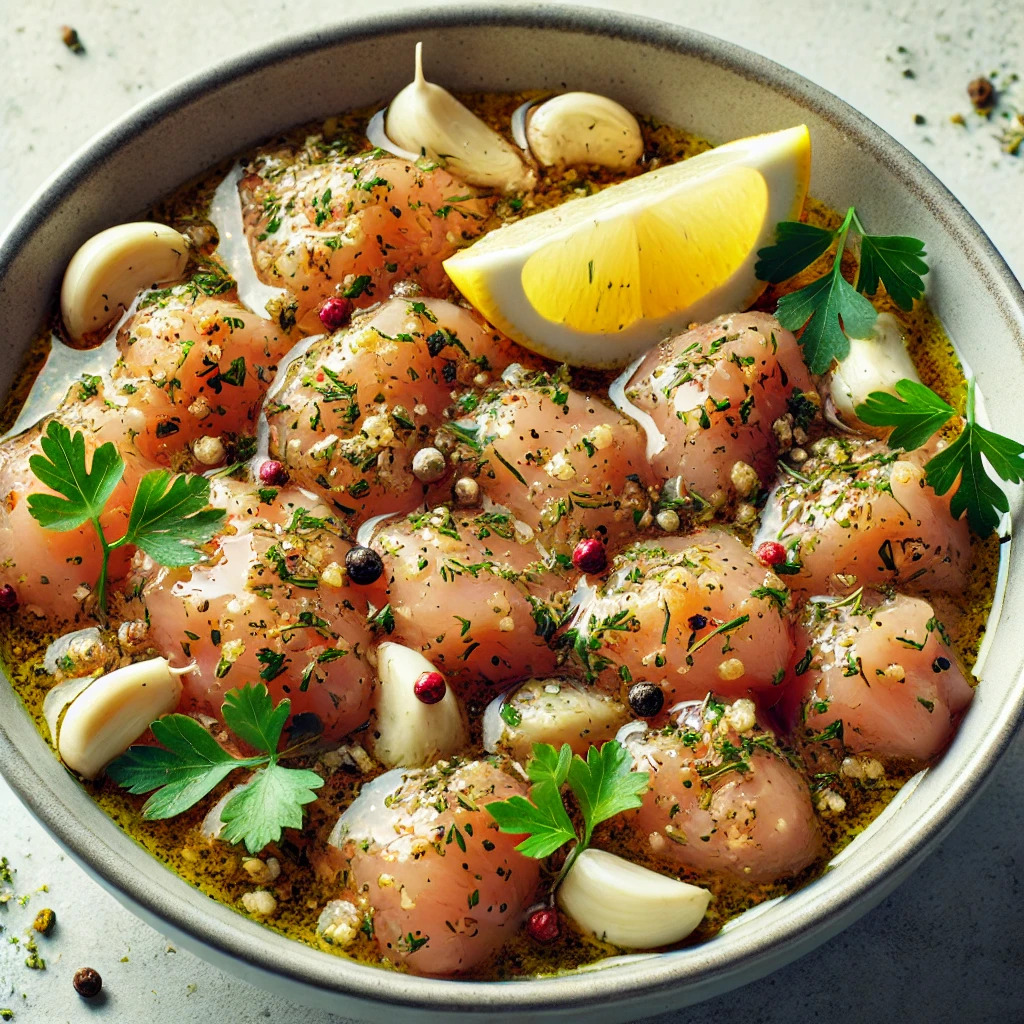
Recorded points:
(599, 280)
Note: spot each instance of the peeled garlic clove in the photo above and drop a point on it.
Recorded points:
(628, 905)
(106, 273)
(875, 363)
(408, 733)
(427, 119)
(584, 128)
(58, 698)
(554, 711)
(114, 711)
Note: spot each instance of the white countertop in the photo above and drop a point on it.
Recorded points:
(948, 945)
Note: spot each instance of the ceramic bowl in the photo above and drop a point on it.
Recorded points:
(692, 80)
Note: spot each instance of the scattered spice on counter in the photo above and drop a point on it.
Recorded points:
(6, 1015)
(69, 37)
(982, 94)
(45, 921)
(1012, 136)
(87, 982)
(33, 961)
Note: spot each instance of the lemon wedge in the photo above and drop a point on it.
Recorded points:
(598, 280)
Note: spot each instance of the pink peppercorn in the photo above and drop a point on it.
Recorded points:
(272, 473)
(430, 687)
(589, 556)
(8, 598)
(336, 312)
(543, 925)
(771, 552)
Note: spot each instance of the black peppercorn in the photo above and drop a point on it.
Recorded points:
(982, 94)
(87, 982)
(696, 622)
(363, 566)
(646, 699)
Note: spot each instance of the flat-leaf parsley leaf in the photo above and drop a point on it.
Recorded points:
(190, 763)
(170, 514)
(831, 310)
(916, 415)
(604, 785)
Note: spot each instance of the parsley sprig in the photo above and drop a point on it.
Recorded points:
(190, 763)
(917, 413)
(604, 785)
(831, 310)
(170, 515)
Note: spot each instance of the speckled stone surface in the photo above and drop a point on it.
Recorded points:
(948, 946)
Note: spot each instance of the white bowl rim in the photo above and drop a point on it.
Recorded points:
(660, 979)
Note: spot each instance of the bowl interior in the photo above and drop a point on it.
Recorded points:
(684, 78)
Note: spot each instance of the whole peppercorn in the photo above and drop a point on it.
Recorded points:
(272, 473)
(646, 699)
(87, 982)
(696, 622)
(589, 556)
(771, 552)
(363, 565)
(336, 312)
(543, 925)
(8, 598)
(982, 93)
(430, 687)
(44, 922)
(429, 465)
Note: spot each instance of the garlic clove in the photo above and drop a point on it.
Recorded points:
(406, 732)
(427, 119)
(628, 905)
(554, 711)
(114, 711)
(583, 128)
(875, 363)
(58, 698)
(111, 268)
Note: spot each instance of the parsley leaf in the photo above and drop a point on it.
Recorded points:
(190, 763)
(916, 419)
(833, 311)
(250, 714)
(797, 246)
(604, 785)
(545, 819)
(830, 310)
(62, 468)
(272, 800)
(168, 518)
(898, 261)
(917, 414)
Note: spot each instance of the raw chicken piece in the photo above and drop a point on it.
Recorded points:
(714, 394)
(190, 366)
(862, 511)
(565, 463)
(723, 797)
(691, 614)
(273, 603)
(468, 593)
(353, 410)
(882, 679)
(320, 224)
(446, 886)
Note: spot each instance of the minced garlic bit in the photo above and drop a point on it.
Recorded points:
(741, 714)
(744, 478)
(333, 575)
(507, 624)
(731, 668)
(829, 802)
(864, 768)
(260, 904)
(339, 923)
(262, 872)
